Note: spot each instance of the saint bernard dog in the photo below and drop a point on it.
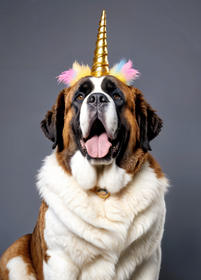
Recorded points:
(103, 210)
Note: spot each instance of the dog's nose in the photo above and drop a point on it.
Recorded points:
(97, 99)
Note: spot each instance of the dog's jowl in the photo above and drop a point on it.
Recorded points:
(103, 209)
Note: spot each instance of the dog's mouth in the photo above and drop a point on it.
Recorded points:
(98, 144)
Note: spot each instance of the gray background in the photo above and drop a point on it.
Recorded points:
(40, 39)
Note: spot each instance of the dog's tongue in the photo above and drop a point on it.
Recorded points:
(98, 146)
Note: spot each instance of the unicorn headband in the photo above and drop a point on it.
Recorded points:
(122, 70)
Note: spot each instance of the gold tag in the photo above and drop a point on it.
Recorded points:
(102, 193)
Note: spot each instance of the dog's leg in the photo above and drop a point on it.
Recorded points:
(60, 266)
(15, 263)
(149, 269)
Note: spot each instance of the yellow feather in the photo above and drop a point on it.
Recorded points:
(81, 71)
(118, 75)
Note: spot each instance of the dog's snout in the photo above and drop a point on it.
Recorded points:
(97, 99)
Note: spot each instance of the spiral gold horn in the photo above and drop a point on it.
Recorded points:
(100, 65)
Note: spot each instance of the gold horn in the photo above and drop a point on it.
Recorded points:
(100, 65)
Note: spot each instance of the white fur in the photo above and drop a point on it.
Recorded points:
(97, 84)
(18, 270)
(110, 114)
(110, 176)
(91, 238)
(84, 172)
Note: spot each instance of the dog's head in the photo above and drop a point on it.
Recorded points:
(105, 120)
(100, 124)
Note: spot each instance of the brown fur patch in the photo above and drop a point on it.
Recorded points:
(132, 163)
(134, 156)
(3, 270)
(155, 166)
(18, 248)
(38, 247)
(70, 147)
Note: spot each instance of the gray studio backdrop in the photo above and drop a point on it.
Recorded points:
(40, 39)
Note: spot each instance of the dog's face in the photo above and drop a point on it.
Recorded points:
(98, 124)
(103, 119)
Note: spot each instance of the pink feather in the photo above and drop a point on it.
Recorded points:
(128, 71)
(66, 77)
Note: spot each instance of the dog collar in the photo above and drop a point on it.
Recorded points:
(103, 193)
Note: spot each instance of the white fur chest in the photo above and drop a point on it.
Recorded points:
(91, 238)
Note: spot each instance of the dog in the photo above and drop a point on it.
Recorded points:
(103, 210)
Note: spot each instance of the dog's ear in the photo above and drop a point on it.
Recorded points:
(148, 121)
(53, 123)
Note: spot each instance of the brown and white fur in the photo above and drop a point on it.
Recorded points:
(80, 235)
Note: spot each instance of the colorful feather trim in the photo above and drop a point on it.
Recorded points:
(71, 76)
(122, 70)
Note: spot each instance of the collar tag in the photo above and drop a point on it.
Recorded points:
(103, 193)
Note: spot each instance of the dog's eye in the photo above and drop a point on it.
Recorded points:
(80, 96)
(116, 96)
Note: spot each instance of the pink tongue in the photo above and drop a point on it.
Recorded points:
(98, 146)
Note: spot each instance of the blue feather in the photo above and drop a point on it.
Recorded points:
(120, 64)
